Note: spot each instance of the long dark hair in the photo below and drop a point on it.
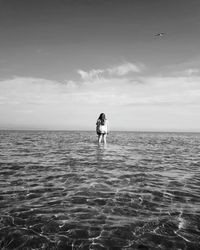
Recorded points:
(102, 118)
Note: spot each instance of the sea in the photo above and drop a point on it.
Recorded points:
(62, 190)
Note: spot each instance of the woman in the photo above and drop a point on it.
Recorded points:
(102, 127)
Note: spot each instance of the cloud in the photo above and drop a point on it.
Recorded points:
(117, 91)
(124, 69)
(92, 74)
(27, 90)
(192, 71)
(114, 71)
(169, 91)
(25, 111)
(47, 101)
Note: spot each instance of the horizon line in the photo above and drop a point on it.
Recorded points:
(88, 130)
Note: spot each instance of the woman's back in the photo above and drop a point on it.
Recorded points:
(102, 127)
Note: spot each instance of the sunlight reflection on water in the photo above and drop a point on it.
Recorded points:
(61, 190)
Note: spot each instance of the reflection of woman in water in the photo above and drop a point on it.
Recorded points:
(102, 127)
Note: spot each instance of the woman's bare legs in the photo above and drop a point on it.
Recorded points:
(104, 138)
(99, 138)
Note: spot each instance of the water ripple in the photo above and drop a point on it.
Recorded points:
(60, 190)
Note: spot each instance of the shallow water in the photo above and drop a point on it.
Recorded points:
(61, 190)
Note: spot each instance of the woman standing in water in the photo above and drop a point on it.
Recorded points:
(102, 127)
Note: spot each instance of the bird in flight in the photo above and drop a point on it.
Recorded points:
(159, 34)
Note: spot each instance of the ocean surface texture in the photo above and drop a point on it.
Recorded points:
(61, 190)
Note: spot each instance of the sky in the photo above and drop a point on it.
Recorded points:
(63, 62)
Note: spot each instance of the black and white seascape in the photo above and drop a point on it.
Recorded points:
(61, 190)
(77, 78)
